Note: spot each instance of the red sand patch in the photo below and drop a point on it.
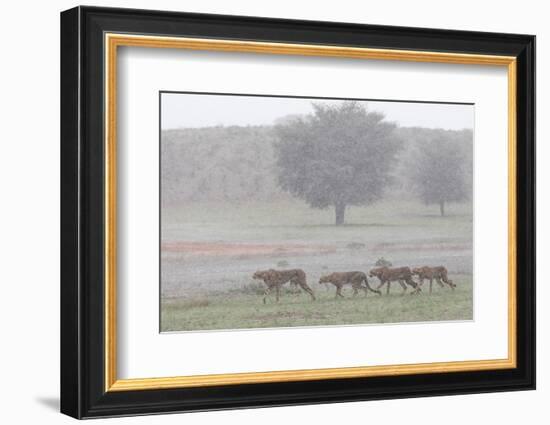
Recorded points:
(443, 246)
(232, 249)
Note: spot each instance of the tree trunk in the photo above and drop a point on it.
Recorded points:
(442, 208)
(340, 209)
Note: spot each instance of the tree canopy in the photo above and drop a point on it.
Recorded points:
(340, 155)
(440, 169)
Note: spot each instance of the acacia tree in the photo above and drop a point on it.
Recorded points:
(338, 156)
(442, 168)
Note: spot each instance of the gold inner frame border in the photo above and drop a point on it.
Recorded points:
(111, 43)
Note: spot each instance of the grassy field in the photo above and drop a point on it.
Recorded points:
(210, 251)
(239, 309)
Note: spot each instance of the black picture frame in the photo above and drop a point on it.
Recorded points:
(83, 392)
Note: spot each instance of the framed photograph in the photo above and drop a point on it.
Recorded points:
(261, 212)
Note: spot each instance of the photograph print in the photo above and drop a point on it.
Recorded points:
(281, 211)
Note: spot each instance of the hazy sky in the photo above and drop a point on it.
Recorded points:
(199, 110)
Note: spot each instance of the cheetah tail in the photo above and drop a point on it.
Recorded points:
(370, 288)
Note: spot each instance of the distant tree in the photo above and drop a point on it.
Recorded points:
(338, 156)
(441, 170)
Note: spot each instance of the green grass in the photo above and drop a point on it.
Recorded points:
(242, 309)
(207, 292)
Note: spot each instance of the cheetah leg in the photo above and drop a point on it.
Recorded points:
(277, 292)
(364, 288)
(294, 286)
(266, 292)
(388, 287)
(306, 288)
(449, 282)
(414, 285)
(339, 292)
(403, 286)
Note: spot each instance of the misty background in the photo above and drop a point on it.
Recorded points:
(185, 110)
(222, 147)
